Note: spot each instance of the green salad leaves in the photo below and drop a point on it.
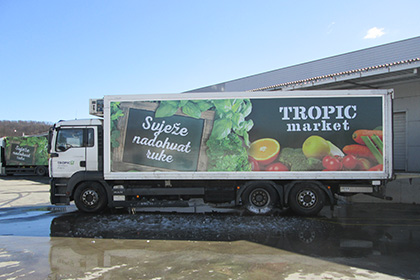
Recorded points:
(229, 137)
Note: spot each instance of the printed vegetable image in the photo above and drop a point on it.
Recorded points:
(116, 114)
(227, 154)
(367, 155)
(358, 151)
(226, 149)
(378, 167)
(364, 164)
(230, 135)
(286, 136)
(358, 134)
(295, 160)
(265, 150)
(375, 149)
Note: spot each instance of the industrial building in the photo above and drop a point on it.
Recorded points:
(389, 66)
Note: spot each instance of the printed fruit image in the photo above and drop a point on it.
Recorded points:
(332, 163)
(350, 162)
(316, 147)
(278, 166)
(254, 164)
(334, 150)
(264, 150)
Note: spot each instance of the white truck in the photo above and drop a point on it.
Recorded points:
(24, 155)
(259, 151)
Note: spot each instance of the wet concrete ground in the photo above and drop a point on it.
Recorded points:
(361, 241)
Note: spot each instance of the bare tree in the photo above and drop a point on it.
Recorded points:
(21, 128)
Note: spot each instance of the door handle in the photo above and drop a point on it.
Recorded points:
(53, 155)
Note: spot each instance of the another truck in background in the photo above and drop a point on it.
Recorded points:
(260, 151)
(24, 155)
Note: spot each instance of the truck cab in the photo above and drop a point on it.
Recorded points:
(75, 150)
(74, 147)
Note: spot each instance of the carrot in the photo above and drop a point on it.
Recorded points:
(378, 167)
(359, 151)
(357, 135)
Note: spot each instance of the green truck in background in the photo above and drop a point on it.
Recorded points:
(24, 155)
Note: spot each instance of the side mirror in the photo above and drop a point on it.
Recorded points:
(61, 148)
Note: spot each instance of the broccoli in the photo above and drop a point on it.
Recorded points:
(297, 161)
(227, 154)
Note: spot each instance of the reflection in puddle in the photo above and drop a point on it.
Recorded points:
(220, 246)
(357, 242)
(86, 258)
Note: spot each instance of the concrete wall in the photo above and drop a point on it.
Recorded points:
(407, 99)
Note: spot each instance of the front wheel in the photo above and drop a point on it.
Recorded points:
(90, 197)
(260, 198)
(306, 199)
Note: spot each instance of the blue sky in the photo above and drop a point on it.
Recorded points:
(56, 54)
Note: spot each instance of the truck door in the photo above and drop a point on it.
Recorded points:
(92, 162)
(73, 150)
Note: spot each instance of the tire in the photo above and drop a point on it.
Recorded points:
(41, 171)
(90, 197)
(306, 199)
(260, 198)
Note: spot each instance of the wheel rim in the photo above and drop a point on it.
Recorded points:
(307, 198)
(40, 171)
(90, 198)
(259, 197)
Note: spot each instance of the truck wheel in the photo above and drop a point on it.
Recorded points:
(90, 197)
(260, 198)
(306, 199)
(41, 171)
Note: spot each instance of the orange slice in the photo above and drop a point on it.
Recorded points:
(264, 150)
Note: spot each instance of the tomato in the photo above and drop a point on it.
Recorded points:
(350, 162)
(278, 166)
(254, 164)
(332, 163)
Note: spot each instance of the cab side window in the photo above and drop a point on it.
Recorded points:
(74, 138)
(90, 141)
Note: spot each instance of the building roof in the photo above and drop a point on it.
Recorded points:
(371, 68)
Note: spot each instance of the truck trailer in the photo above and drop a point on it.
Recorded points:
(258, 151)
(24, 155)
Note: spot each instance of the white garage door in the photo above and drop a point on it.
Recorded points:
(400, 141)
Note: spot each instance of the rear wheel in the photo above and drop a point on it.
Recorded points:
(260, 198)
(306, 199)
(90, 197)
(41, 171)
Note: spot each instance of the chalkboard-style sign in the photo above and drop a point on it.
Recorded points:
(148, 143)
(21, 155)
